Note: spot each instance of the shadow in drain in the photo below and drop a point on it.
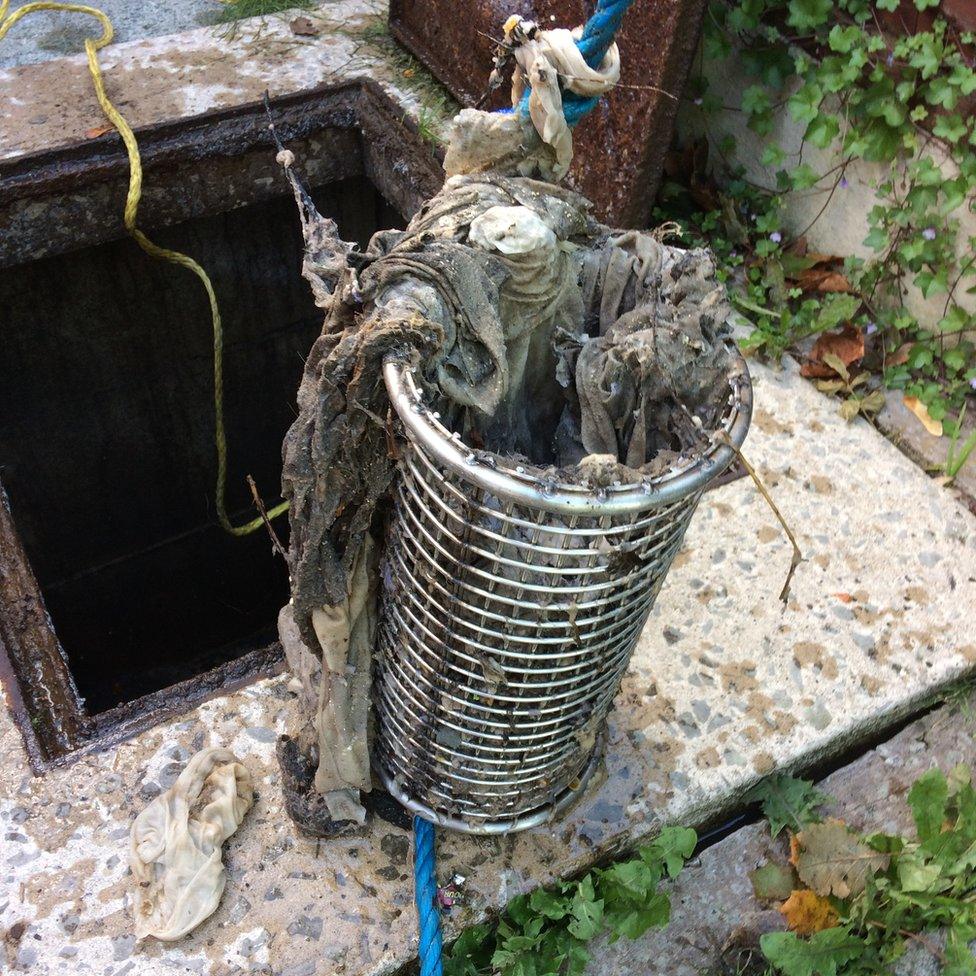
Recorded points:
(106, 436)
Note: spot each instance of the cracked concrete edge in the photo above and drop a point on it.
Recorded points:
(716, 919)
(906, 432)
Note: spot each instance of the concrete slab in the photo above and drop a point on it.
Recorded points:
(156, 80)
(716, 919)
(726, 685)
(51, 34)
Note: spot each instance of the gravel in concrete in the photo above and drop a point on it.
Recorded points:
(726, 685)
(51, 34)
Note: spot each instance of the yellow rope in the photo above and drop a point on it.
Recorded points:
(92, 46)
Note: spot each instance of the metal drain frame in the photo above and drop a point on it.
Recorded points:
(440, 717)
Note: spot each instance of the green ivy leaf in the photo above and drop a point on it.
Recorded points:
(822, 131)
(932, 283)
(890, 5)
(548, 904)
(805, 14)
(586, 910)
(755, 100)
(672, 847)
(787, 802)
(804, 176)
(939, 91)
(843, 39)
(916, 874)
(820, 955)
(633, 921)
(927, 799)
(950, 127)
(804, 104)
(955, 320)
(877, 239)
(773, 156)
(925, 4)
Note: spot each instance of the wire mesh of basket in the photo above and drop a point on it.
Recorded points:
(509, 611)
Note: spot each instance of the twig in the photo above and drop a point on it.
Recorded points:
(722, 437)
(915, 937)
(259, 504)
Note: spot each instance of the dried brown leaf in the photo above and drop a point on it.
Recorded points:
(872, 402)
(823, 279)
(304, 27)
(900, 356)
(934, 427)
(847, 345)
(850, 408)
(833, 861)
(99, 130)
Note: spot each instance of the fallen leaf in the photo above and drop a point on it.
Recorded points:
(794, 849)
(807, 912)
(798, 247)
(872, 403)
(847, 345)
(833, 861)
(835, 281)
(850, 408)
(823, 280)
(837, 365)
(99, 130)
(304, 27)
(900, 356)
(772, 882)
(934, 427)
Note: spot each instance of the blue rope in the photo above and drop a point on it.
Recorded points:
(598, 34)
(425, 892)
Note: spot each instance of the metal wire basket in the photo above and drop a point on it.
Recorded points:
(510, 608)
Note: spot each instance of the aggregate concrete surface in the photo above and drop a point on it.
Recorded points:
(725, 686)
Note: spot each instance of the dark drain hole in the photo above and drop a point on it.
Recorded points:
(106, 437)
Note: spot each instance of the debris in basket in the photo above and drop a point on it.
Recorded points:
(584, 354)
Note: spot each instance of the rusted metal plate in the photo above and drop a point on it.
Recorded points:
(620, 147)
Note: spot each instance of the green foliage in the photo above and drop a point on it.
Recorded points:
(239, 9)
(787, 802)
(918, 888)
(874, 96)
(545, 933)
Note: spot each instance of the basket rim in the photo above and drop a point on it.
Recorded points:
(516, 484)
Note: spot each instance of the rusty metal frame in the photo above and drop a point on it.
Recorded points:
(360, 131)
(620, 147)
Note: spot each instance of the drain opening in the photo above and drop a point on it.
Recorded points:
(106, 437)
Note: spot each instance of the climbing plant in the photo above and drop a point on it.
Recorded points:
(883, 81)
